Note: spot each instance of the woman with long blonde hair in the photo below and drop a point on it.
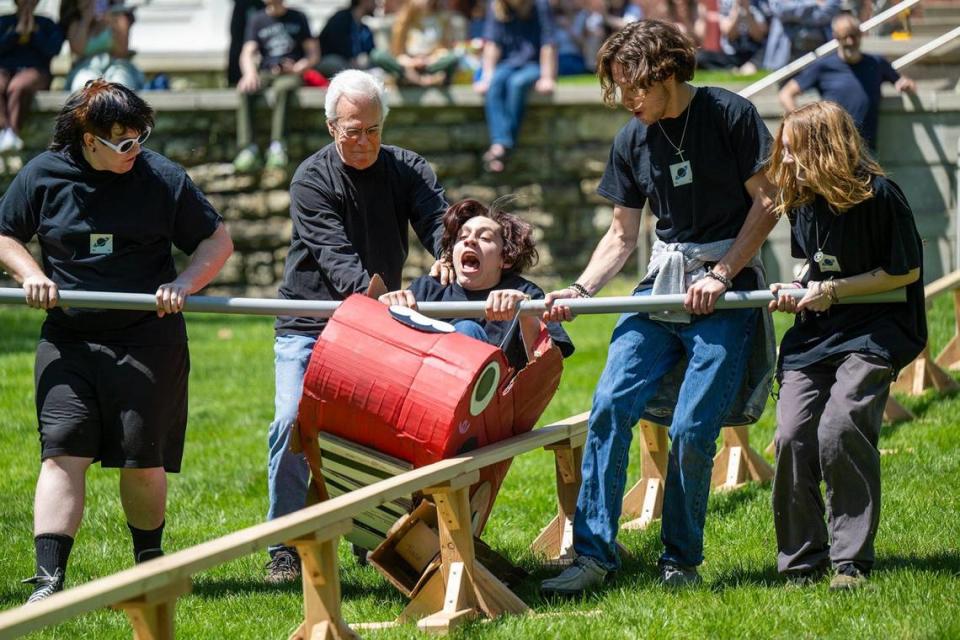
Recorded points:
(423, 44)
(854, 229)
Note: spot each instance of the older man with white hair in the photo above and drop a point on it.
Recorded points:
(351, 204)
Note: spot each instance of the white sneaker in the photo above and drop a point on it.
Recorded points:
(6, 140)
(15, 140)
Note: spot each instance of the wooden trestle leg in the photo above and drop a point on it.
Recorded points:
(738, 463)
(321, 585)
(463, 588)
(922, 374)
(643, 503)
(555, 542)
(151, 615)
(949, 358)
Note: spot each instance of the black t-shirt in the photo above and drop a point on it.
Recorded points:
(278, 38)
(855, 87)
(345, 37)
(879, 232)
(726, 143)
(350, 224)
(104, 231)
(429, 289)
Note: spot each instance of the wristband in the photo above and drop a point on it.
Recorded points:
(719, 278)
(580, 289)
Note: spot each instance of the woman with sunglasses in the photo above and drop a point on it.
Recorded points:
(110, 385)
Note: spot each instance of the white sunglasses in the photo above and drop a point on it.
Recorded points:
(126, 146)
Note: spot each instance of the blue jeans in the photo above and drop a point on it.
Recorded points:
(641, 352)
(507, 100)
(287, 472)
(472, 329)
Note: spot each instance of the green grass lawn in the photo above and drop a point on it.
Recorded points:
(914, 593)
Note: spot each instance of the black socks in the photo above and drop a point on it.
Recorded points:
(53, 550)
(147, 545)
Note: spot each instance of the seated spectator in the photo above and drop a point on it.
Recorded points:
(519, 52)
(27, 43)
(850, 78)
(569, 54)
(488, 249)
(423, 45)
(743, 31)
(345, 42)
(797, 27)
(281, 37)
(99, 35)
(590, 30)
(243, 10)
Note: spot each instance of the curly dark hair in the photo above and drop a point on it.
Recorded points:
(95, 109)
(518, 247)
(648, 51)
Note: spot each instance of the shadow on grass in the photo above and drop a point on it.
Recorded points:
(945, 562)
(727, 502)
(223, 588)
(919, 406)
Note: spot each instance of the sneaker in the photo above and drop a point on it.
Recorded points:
(581, 576)
(16, 142)
(248, 160)
(45, 586)
(6, 140)
(361, 554)
(277, 156)
(283, 567)
(848, 577)
(677, 576)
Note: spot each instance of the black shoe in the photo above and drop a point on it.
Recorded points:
(45, 585)
(283, 567)
(360, 554)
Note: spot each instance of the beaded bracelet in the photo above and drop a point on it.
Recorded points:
(580, 289)
(719, 278)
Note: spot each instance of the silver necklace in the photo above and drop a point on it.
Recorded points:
(679, 148)
(818, 256)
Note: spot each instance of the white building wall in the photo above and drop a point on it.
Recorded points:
(183, 27)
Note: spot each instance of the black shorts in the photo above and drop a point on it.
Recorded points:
(124, 406)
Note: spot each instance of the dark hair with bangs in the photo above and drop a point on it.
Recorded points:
(648, 51)
(95, 109)
(518, 248)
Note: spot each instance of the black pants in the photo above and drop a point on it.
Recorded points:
(828, 426)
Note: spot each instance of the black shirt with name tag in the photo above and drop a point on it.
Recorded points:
(106, 231)
(877, 233)
(349, 224)
(429, 289)
(726, 143)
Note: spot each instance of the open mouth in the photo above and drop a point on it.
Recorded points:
(469, 262)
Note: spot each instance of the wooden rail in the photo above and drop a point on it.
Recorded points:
(148, 592)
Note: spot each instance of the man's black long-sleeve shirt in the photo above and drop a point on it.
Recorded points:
(350, 224)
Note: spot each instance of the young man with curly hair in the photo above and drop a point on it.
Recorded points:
(697, 155)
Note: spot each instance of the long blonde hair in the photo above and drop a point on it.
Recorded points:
(827, 147)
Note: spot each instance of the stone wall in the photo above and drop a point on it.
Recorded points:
(553, 173)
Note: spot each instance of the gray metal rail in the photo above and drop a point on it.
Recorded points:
(325, 309)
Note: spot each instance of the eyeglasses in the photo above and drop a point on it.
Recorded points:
(355, 133)
(126, 146)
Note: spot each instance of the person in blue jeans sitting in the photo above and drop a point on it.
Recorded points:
(488, 249)
(519, 52)
(698, 156)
